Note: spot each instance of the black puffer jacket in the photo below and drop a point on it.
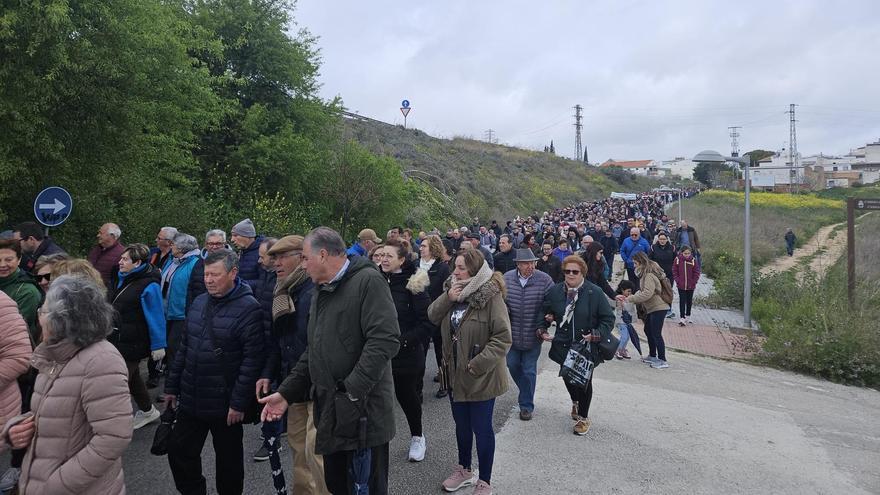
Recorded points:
(290, 334)
(207, 386)
(437, 274)
(664, 256)
(409, 290)
(131, 335)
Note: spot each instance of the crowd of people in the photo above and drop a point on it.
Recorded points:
(316, 340)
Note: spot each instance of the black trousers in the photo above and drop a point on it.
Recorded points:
(338, 479)
(185, 455)
(136, 386)
(631, 276)
(582, 397)
(406, 389)
(685, 300)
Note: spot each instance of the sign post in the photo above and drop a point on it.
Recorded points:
(53, 206)
(853, 204)
(404, 109)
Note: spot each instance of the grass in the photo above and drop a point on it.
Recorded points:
(811, 328)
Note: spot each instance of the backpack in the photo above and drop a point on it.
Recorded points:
(665, 290)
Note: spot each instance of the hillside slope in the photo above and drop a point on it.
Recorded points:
(475, 178)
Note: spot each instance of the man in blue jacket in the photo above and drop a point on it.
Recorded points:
(213, 376)
(631, 245)
(245, 238)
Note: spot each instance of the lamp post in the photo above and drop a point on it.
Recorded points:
(715, 157)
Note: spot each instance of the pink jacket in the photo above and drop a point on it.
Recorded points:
(82, 410)
(15, 353)
(685, 272)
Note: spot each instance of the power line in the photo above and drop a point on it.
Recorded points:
(792, 151)
(578, 148)
(734, 140)
(489, 136)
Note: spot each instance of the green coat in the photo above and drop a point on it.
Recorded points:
(487, 325)
(21, 289)
(591, 312)
(353, 335)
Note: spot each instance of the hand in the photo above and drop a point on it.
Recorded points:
(544, 335)
(20, 435)
(455, 292)
(170, 401)
(589, 337)
(158, 354)
(544, 258)
(234, 417)
(620, 297)
(262, 387)
(274, 407)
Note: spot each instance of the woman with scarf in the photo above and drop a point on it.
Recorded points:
(139, 323)
(475, 326)
(409, 290)
(431, 252)
(291, 301)
(581, 312)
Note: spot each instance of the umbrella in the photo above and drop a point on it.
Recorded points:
(275, 465)
(634, 338)
(359, 471)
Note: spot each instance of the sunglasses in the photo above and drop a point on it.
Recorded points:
(571, 272)
(45, 276)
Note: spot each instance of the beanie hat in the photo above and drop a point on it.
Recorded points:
(244, 228)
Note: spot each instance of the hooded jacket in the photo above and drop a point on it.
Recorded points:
(208, 385)
(139, 322)
(477, 369)
(176, 282)
(353, 335)
(409, 291)
(686, 272)
(650, 287)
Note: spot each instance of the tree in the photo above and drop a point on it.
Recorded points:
(586, 157)
(715, 174)
(552, 149)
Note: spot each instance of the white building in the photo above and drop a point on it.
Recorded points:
(648, 168)
(776, 171)
(680, 167)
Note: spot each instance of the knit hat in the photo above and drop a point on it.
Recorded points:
(245, 228)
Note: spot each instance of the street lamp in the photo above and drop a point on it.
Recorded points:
(715, 157)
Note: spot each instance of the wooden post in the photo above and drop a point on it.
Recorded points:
(850, 251)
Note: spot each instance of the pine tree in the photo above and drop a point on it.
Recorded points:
(586, 158)
(552, 149)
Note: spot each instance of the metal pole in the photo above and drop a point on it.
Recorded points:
(850, 250)
(747, 250)
(680, 199)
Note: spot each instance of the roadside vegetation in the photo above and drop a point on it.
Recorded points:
(809, 326)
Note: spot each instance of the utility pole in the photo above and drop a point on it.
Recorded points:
(734, 140)
(489, 136)
(792, 152)
(578, 148)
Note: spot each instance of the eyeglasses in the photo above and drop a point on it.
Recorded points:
(571, 272)
(45, 276)
(215, 244)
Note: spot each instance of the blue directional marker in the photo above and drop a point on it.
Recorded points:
(52, 206)
(404, 104)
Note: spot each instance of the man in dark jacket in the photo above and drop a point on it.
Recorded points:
(526, 287)
(503, 259)
(609, 249)
(245, 238)
(33, 245)
(474, 239)
(213, 376)
(353, 335)
(550, 264)
(105, 256)
(290, 313)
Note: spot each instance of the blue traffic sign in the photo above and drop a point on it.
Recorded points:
(405, 103)
(52, 206)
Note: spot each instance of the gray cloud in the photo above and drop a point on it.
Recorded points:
(656, 79)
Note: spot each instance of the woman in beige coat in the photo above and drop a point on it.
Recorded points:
(15, 352)
(475, 327)
(650, 286)
(81, 422)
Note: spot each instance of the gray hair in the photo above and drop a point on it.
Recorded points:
(269, 242)
(225, 256)
(185, 242)
(114, 230)
(77, 310)
(218, 232)
(327, 239)
(169, 232)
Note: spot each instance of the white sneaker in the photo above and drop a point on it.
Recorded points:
(9, 479)
(143, 418)
(417, 447)
(682, 321)
(659, 365)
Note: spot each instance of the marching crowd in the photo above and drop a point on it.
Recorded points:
(316, 340)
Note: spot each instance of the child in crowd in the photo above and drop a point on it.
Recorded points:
(624, 311)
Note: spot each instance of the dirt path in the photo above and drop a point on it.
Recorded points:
(817, 254)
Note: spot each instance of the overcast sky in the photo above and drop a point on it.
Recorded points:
(657, 79)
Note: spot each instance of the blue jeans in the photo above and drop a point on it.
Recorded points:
(474, 419)
(523, 367)
(623, 328)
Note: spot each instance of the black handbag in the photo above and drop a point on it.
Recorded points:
(608, 347)
(163, 432)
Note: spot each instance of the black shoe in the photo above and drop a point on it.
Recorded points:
(437, 378)
(441, 394)
(525, 415)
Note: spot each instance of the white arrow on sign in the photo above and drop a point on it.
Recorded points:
(55, 207)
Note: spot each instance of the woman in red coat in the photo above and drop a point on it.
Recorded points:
(686, 272)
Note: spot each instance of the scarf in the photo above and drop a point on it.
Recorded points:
(282, 303)
(471, 285)
(571, 298)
